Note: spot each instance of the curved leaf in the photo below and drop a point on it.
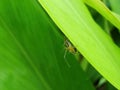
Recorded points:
(97, 47)
(32, 53)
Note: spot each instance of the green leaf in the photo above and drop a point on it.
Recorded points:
(99, 6)
(115, 6)
(95, 45)
(32, 52)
